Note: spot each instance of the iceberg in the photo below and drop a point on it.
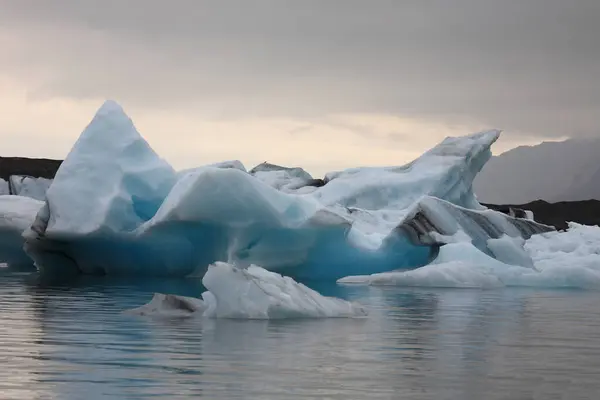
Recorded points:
(567, 259)
(251, 293)
(110, 183)
(458, 265)
(115, 207)
(28, 186)
(17, 213)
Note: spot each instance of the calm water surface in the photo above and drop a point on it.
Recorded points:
(70, 340)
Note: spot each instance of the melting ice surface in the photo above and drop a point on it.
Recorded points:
(116, 208)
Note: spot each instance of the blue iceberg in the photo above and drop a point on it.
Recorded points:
(115, 207)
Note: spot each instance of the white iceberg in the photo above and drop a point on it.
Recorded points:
(29, 186)
(569, 259)
(251, 293)
(25, 186)
(115, 207)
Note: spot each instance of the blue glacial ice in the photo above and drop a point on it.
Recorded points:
(116, 207)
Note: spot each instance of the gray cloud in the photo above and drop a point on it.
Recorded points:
(520, 65)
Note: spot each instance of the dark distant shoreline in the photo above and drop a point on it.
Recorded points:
(556, 214)
(34, 167)
(585, 212)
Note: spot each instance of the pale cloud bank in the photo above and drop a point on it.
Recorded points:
(320, 84)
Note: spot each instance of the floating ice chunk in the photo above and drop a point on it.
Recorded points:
(169, 305)
(17, 213)
(568, 259)
(252, 293)
(578, 246)
(256, 293)
(457, 265)
(455, 274)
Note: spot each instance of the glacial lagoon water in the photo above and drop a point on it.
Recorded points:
(70, 340)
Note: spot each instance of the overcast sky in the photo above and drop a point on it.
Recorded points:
(325, 84)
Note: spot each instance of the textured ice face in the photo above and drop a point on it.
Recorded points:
(115, 207)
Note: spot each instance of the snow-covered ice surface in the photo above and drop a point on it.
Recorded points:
(569, 259)
(17, 213)
(250, 293)
(115, 207)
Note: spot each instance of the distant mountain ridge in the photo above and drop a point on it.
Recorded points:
(558, 214)
(551, 171)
